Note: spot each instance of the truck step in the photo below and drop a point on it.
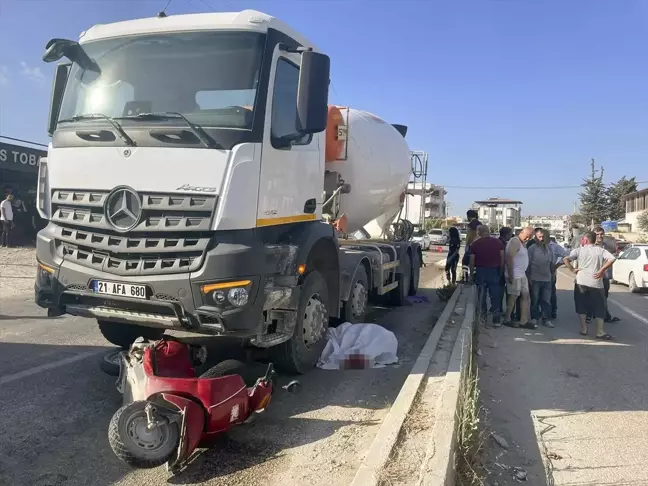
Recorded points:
(269, 340)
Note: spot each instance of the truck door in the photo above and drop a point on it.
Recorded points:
(291, 181)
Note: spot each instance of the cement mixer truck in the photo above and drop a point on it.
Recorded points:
(198, 180)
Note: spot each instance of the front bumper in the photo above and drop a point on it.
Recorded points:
(174, 301)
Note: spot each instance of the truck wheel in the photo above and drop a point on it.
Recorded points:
(399, 295)
(301, 352)
(355, 309)
(416, 274)
(136, 445)
(123, 335)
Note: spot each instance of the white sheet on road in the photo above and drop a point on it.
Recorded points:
(358, 346)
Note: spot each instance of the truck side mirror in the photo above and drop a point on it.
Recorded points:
(60, 78)
(312, 94)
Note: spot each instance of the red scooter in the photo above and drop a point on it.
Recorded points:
(168, 411)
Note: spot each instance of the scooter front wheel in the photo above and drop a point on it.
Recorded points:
(134, 443)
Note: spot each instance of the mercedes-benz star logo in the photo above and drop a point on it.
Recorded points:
(123, 209)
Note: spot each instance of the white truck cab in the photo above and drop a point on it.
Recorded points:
(184, 183)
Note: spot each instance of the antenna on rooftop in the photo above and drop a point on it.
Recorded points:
(162, 13)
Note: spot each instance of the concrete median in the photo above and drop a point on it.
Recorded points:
(423, 418)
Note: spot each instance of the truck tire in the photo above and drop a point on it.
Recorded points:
(300, 353)
(354, 310)
(398, 296)
(123, 335)
(416, 274)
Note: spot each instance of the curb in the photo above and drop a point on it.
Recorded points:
(383, 444)
(438, 468)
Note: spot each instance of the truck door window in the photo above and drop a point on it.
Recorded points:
(284, 102)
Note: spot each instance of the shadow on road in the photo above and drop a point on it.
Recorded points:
(551, 392)
(55, 419)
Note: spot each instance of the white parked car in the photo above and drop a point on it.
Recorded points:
(438, 237)
(422, 238)
(631, 268)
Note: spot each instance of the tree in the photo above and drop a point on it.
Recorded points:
(642, 221)
(615, 194)
(593, 198)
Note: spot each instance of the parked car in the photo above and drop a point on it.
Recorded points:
(631, 268)
(438, 236)
(462, 235)
(422, 238)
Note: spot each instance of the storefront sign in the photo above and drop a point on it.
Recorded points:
(16, 157)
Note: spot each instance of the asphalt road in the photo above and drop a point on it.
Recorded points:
(570, 407)
(56, 405)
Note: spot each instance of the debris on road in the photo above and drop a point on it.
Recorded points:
(358, 346)
(418, 299)
(501, 441)
(519, 474)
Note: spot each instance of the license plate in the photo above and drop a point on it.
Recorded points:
(120, 289)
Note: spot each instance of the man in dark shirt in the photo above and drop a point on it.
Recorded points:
(487, 261)
(471, 235)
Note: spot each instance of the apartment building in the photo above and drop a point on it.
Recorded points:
(635, 204)
(498, 212)
(556, 224)
(424, 201)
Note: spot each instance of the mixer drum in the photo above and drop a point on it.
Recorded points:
(377, 164)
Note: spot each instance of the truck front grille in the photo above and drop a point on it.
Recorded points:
(171, 235)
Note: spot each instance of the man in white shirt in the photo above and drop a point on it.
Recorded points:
(6, 218)
(589, 294)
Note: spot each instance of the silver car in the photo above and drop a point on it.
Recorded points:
(438, 236)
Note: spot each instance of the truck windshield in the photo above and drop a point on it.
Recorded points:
(209, 77)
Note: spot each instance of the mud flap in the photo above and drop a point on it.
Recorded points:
(192, 423)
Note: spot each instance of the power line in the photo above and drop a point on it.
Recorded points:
(520, 187)
(23, 141)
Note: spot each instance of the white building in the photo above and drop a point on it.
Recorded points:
(556, 225)
(424, 201)
(635, 204)
(498, 212)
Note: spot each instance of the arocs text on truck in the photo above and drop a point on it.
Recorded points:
(198, 180)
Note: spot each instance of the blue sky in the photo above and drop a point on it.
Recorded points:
(498, 92)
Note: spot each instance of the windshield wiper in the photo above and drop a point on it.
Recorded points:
(196, 129)
(122, 134)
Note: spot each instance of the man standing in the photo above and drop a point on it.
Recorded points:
(471, 235)
(600, 241)
(487, 259)
(559, 253)
(506, 234)
(517, 285)
(6, 218)
(589, 294)
(532, 241)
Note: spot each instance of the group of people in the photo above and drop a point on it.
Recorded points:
(523, 268)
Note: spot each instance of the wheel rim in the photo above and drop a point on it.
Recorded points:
(358, 299)
(633, 283)
(314, 320)
(148, 441)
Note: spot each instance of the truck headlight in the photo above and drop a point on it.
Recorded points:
(45, 275)
(228, 294)
(238, 296)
